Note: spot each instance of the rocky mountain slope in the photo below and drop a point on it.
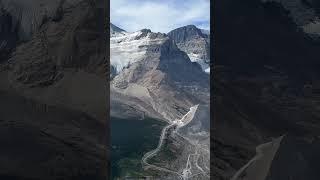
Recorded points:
(53, 90)
(152, 76)
(195, 42)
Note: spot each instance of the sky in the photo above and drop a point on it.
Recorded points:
(159, 15)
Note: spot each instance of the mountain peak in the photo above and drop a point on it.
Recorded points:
(192, 26)
(115, 29)
(186, 32)
(145, 30)
(195, 42)
(188, 27)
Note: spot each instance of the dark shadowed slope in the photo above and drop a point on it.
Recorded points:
(266, 85)
(52, 90)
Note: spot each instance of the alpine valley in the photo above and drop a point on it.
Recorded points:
(164, 77)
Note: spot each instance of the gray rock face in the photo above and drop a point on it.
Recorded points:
(53, 48)
(186, 33)
(195, 43)
(173, 59)
(21, 19)
(28, 15)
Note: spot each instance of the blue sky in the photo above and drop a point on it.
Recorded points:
(159, 15)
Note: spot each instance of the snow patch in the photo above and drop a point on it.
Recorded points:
(196, 58)
(126, 48)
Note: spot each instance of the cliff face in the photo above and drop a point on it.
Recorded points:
(195, 42)
(52, 84)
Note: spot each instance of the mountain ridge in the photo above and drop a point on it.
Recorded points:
(190, 39)
(195, 43)
(154, 68)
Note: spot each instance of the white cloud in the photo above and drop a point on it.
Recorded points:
(159, 16)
